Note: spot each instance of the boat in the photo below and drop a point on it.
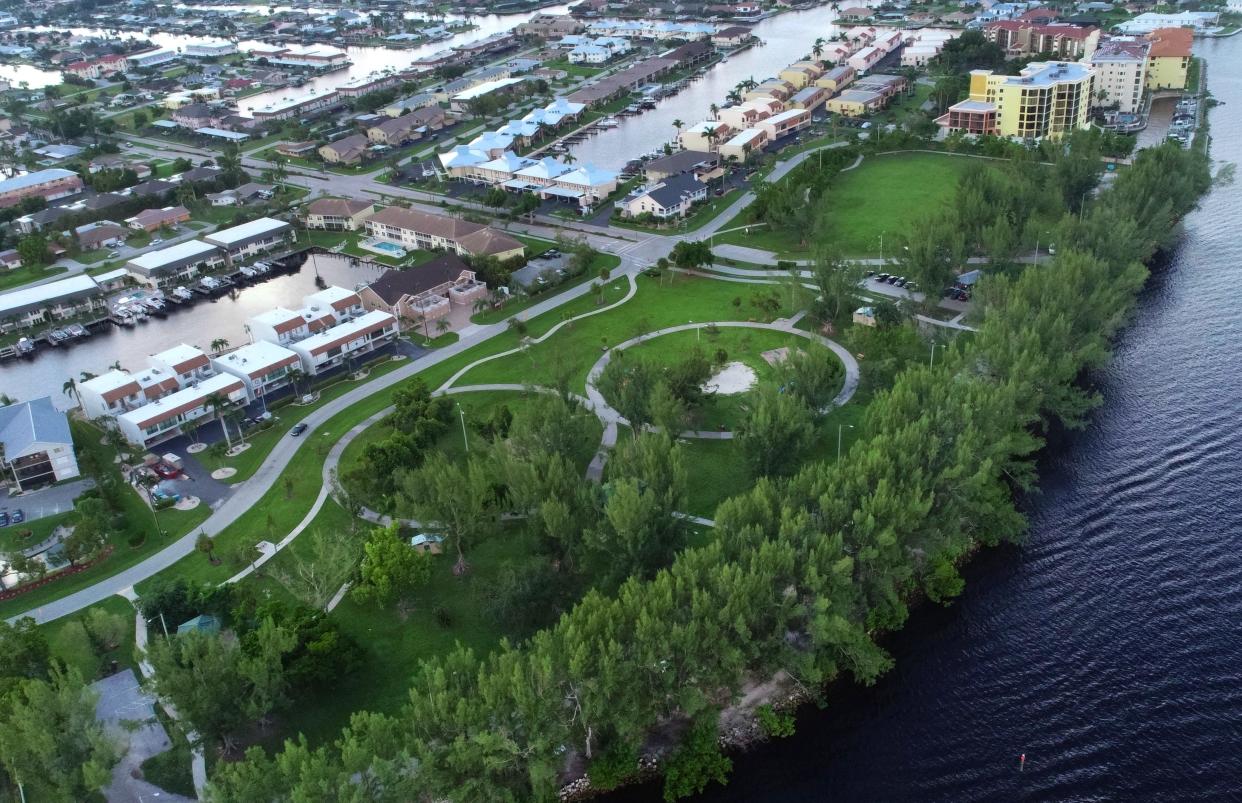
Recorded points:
(183, 294)
(77, 330)
(25, 347)
(57, 336)
(608, 122)
(248, 272)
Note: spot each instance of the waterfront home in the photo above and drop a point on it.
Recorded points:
(669, 198)
(41, 304)
(250, 239)
(810, 98)
(261, 366)
(587, 185)
(150, 220)
(423, 230)
(180, 411)
(175, 264)
(345, 341)
(771, 88)
(680, 162)
(745, 115)
(732, 36)
(802, 73)
(704, 136)
(1169, 58)
(117, 391)
(36, 447)
(338, 214)
(425, 293)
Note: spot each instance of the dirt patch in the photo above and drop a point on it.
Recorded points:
(732, 379)
(188, 503)
(195, 448)
(223, 473)
(775, 356)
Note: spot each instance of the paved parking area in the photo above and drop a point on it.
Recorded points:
(50, 501)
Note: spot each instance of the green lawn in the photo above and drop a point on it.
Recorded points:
(26, 274)
(70, 643)
(520, 303)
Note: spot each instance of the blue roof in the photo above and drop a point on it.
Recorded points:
(34, 179)
(25, 424)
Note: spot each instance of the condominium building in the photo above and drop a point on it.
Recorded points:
(1169, 58)
(261, 366)
(1120, 66)
(1046, 100)
(36, 447)
(249, 239)
(414, 229)
(49, 184)
(346, 341)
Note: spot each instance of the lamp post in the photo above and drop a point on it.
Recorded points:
(464, 441)
(840, 428)
(932, 360)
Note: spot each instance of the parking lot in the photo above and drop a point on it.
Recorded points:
(542, 271)
(50, 501)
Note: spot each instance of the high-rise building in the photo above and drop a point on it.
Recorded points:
(1046, 100)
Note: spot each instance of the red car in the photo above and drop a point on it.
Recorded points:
(166, 471)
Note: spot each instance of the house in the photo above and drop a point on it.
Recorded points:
(195, 115)
(810, 98)
(414, 229)
(345, 341)
(10, 259)
(671, 198)
(151, 188)
(802, 73)
(732, 36)
(771, 88)
(348, 150)
(397, 131)
(855, 103)
(679, 162)
(744, 115)
(239, 243)
(100, 234)
(854, 14)
(296, 150)
(744, 144)
(149, 220)
(48, 184)
(338, 214)
(426, 292)
(36, 447)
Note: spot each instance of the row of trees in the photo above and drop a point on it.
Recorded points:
(802, 573)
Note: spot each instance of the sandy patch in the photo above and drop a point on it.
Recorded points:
(188, 503)
(775, 356)
(238, 449)
(223, 473)
(195, 448)
(734, 378)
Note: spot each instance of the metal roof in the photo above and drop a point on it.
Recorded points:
(25, 424)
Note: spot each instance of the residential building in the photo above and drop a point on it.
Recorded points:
(179, 411)
(1023, 39)
(802, 73)
(397, 131)
(750, 112)
(297, 107)
(1169, 58)
(672, 197)
(42, 303)
(36, 447)
(810, 98)
(10, 259)
(1046, 100)
(836, 79)
(425, 293)
(108, 395)
(346, 341)
(150, 58)
(704, 136)
(732, 36)
(744, 144)
(99, 234)
(414, 229)
(1150, 22)
(856, 103)
(49, 184)
(175, 264)
(239, 243)
(210, 49)
(186, 364)
(1120, 66)
(347, 151)
(771, 88)
(785, 123)
(679, 162)
(149, 220)
(262, 367)
(338, 214)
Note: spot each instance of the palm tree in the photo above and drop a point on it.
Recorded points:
(712, 135)
(817, 49)
(295, 377)
(70, 389)
(715, 110)
(219, 344)
(678, 124)
(220, 405)
(87, 376)
(116, 366)
(733, 96)
(442, 326)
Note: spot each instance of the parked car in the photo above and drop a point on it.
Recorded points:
(883, 277)
(157, 241)
(297, 430)
(19, 516)
(166, 471)
(160, 495)
(4, 518)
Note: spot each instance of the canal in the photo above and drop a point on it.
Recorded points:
(196, 325)
(1108, 648)
(785, 39)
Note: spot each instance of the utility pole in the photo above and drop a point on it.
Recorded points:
(840, 428)
(464, 442)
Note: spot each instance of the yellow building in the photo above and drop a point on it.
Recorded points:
(1169, 58)
(1045, 100)
(801, 73)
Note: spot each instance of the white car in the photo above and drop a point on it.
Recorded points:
(157, 241)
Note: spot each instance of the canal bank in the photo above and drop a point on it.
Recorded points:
(1106, 648)
(197, 325)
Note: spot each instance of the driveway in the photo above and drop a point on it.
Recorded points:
(50, 501)
(122, 700)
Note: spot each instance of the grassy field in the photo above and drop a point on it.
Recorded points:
(26, 274)
(521, 303)
(878, 198)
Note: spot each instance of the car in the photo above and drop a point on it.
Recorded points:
(157, 241)
(869, 274)
(900, 282)
(893, 279)
(166, 471)
(4, 518)
(19, 516)
(159, 494)
(113, 254)
(297, 430)
(912, 285)
(883, 277)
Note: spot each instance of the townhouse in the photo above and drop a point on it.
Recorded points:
(338, 214)
(239, 243)
(415, 229)
(261, 366)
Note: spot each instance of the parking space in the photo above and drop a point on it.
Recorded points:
(542, 271)
(50, 501)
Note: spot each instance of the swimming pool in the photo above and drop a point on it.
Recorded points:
(381, 247)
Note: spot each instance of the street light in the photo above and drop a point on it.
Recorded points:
(840, 428)
(932, 360)
(462, 413)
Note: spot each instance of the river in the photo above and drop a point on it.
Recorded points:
(1108, 648)
(786, 38)
(196, 325)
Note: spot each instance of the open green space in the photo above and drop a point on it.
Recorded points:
(70, 642)
(520, 303)
(26, 274)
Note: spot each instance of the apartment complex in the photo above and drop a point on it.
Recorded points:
(49, 184)
(414, 229)
(1120, 67)
(1046, 100)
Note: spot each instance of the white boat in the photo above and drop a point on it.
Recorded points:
(183, 294)
(249, 273)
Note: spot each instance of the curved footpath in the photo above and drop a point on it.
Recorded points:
(249, 493)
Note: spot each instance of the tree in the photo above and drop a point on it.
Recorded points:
(92, 525)
(419, 414)
(206, 545)
(777, 429)
(696, 763)
(33, 250)
(219, 344)
(315, 575)
(70, 389)
(220, 405)
(391, 569)
(813, 375)
(24, 652)
(837, 282)
(108, 630)
(262, 665)
(460, 501)
(201, 675)
(689, 255)
(627, 383)
(50, 741)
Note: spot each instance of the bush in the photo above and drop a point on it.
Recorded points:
(613, 766)
(775, 724)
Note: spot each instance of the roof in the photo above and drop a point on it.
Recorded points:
(159, 215)
(181, 358)
(488, 242)
(396, 284)
(246, 232)
(182, 401)
(337, 207)
(25, 298)
(204, 623)
(588, 175)
(26, 424)
(257, 358)
(189, 250)
(672, 190)
(1171, 42)
(112, 385)
(35, 179)
(680, 162)
(546, 168)
(450, 228)
(338, 298)
(745, 136)
(354, 143)
(342, 333)
(1048, 73)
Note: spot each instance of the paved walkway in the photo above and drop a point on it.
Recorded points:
(122, 700)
